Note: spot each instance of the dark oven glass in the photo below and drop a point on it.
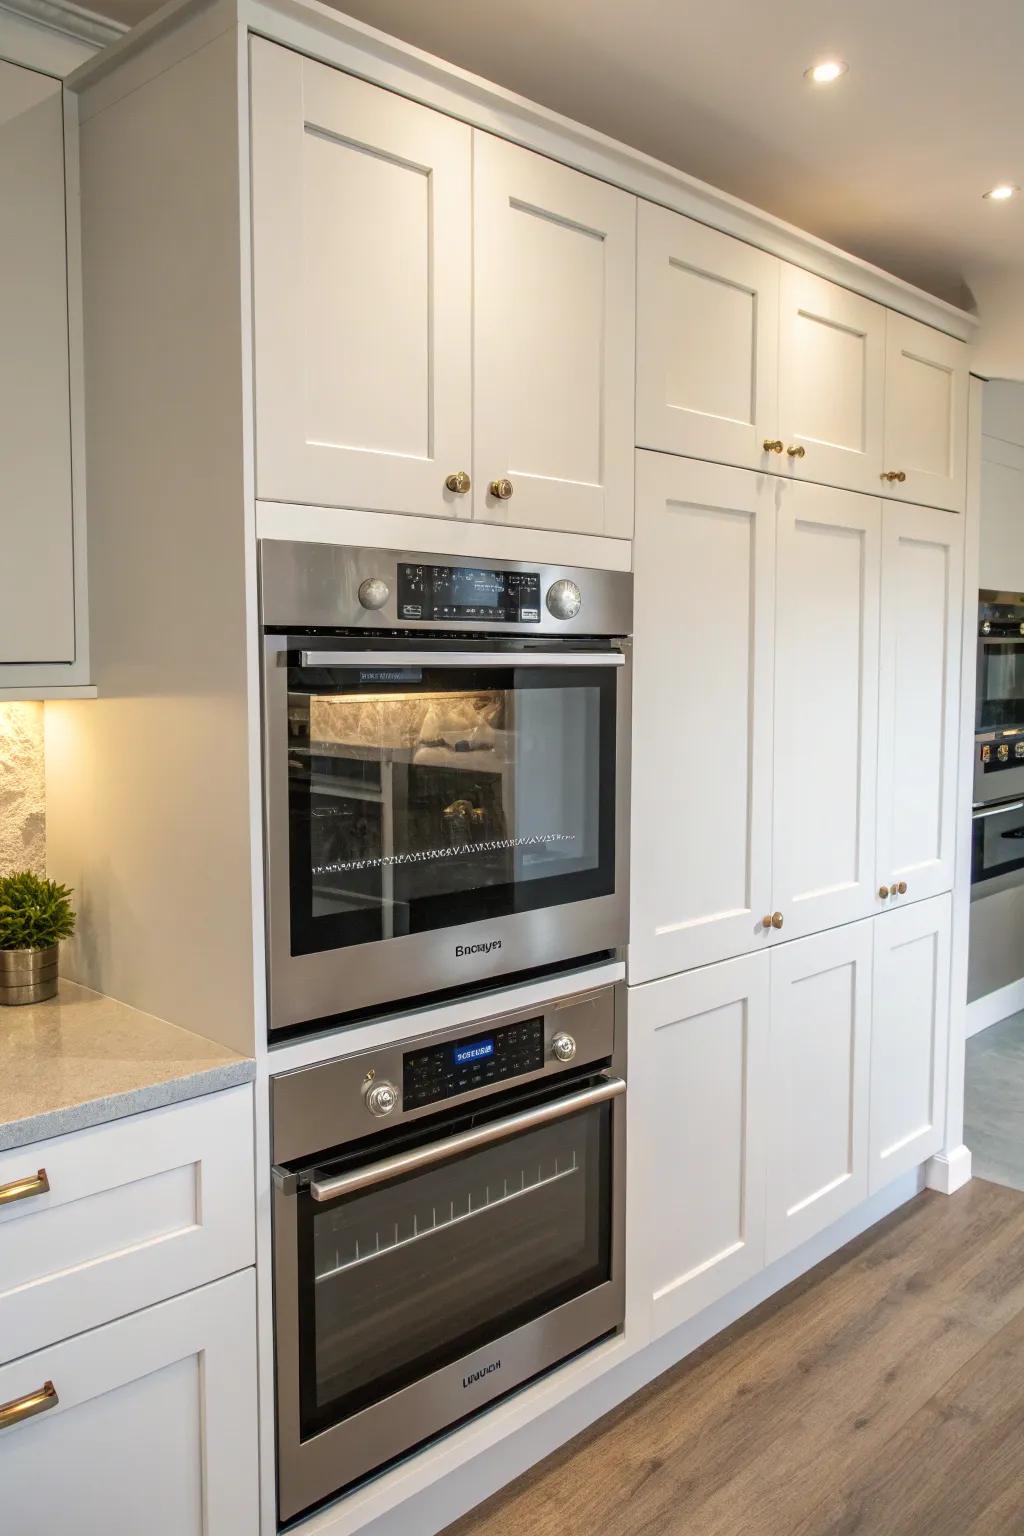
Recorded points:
(998, 841)
(1000, 684)
(400, 1279)
(423, 797)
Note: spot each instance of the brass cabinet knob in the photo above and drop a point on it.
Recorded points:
(796, 452)
(902, 888)
(895, 474)
(501, 489)
(458, 483)
(773, 445)
(883, 891)
(772, 920)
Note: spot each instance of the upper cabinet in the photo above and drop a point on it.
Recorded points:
(37, 572)
(926, 380)
(444, 323)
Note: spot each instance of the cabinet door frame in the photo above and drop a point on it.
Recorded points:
(666, 239)
(924, 344)
(506, 174)
(892, 931)
(659, 945)
(290, 91)
(922, 525)
(803, 294)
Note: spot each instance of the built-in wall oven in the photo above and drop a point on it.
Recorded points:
(448, 1223)
(445, 758)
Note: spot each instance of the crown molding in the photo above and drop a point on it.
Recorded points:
(68, 20)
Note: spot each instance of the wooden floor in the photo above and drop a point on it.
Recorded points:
(882, 1395)
(994, 1103)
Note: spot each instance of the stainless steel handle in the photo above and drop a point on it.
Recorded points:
(466, 1141)
(399, 659)
(28, 1406)
(24, 1188)
(997, 810)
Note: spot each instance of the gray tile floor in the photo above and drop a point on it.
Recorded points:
(994, 1102)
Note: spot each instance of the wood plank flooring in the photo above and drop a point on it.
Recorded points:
(880, 1395)
(994, 1103)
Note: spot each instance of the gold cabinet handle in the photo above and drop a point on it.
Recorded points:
(24, 1189)
(772, 920)
(895, 474)
(883, 891)
(459, 483)
(901, 889)
(501, 489)
(773, 445)
(26, 1407)
(796, 452)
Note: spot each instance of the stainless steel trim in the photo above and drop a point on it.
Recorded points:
(996, 810)
(404, 658)
(466, 1141)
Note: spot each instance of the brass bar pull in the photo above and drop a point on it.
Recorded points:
(24, 1189)
(26, 1407)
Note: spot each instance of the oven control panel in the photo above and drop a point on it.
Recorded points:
(464, 592)
(458, 1066)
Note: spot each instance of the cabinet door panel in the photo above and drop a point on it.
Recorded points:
(926, 378)
(37, 611)
(818, 1083)
(919, 663)
(702, 705)
(554, 305)
(361, 271)
(697, 1134)
(707, 341)
(909, 1032)
(831, 381)
(826, 707)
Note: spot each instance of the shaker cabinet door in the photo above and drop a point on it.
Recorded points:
(919, 672)
(362, 291)
(831, 382)
(704, 563)
(707, 342)
(926, 378)
(554, 303)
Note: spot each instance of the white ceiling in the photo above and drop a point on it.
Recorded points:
(889, 163)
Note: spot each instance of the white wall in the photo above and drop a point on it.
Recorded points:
(1001, 558)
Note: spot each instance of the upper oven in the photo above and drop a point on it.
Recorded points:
(1000, 679)
(445, 760)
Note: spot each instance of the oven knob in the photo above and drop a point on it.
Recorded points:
(1003, 753)
(374, 592)
(381, 1099)
(986, 628)
(563, 1047)
(564, 599)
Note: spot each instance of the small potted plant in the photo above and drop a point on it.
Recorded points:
(35, 914)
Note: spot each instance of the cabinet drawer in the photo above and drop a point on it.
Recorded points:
(137, 1210)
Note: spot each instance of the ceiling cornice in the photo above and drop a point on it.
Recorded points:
(67, 19)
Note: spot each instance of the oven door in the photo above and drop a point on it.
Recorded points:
(1000, 683)
(437, 818)
(997, 856)
(417, 1281)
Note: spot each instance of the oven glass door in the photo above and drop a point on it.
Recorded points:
(1000, 695)
(425, 795)
(401, 1278)
(998, 841)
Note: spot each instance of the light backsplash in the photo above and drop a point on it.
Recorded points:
(22, 788)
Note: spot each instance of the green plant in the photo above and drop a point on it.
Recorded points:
(34, 913)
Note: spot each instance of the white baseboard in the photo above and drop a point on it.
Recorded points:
(994, 1007)
(948, 1170)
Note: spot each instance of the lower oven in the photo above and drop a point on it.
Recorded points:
(997, 854)
(448, 1224)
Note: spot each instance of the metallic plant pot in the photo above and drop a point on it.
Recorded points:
(28, 975)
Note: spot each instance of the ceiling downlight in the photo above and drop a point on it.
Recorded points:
(1002, 192)
(826, 72)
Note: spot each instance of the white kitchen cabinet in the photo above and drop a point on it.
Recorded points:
(554, 299)
(698, 1108)
(919, 670)
(707, 342)
(37, 568)
(362, 291)
(817, 1083)
(926, 379)
(831, 382)
(704, 563)
(909, 1032)
(826, 707)
(150, 1424)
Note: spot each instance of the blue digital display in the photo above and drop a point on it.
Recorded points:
(475, 1052)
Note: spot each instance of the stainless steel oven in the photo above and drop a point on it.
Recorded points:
(997, 855)
(448, 1224)
(999, 696)
(445, 759)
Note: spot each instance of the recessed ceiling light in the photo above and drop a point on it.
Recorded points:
(825, 72)
(1000, 194)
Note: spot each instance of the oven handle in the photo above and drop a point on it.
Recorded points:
(398, 659)
(466, 1141)
(998, 810)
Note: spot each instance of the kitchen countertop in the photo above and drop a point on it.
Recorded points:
(84, 1058)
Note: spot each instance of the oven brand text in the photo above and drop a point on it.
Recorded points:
(476, 949)
(485, 1370)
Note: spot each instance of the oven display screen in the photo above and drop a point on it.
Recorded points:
(468, 592)
(440, 1072)
(478, 1051)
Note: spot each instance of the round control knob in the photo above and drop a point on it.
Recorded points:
(381, 1099)
(1003, 752)
(374, 592)
(1022, 629)
(563, 1047)
(986, 628)
(564, 599)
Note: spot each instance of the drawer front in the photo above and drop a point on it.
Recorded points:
(134, 1211)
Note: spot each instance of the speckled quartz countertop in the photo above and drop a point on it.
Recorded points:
(84, 1058)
